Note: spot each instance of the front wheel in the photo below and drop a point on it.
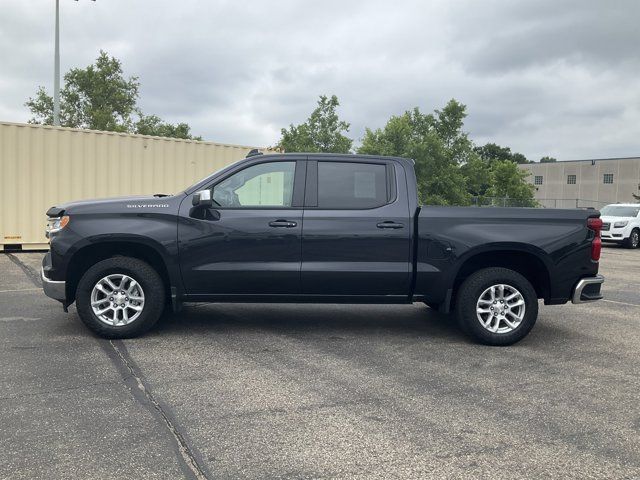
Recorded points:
(120, 297)
(496, 306)
(634, 239)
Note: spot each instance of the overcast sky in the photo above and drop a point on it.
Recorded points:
(557, 78)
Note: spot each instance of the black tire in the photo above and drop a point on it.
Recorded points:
(141, 272)
(470, 292)
(634, 239)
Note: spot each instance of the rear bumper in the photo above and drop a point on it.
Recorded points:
(588, 289)
(53, 288)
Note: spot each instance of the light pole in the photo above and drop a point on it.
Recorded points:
(56, 68)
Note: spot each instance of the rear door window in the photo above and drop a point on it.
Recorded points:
(351, 185)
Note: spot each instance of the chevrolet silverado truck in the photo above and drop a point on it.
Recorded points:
(319, 228)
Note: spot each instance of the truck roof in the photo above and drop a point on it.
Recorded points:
(346, 156)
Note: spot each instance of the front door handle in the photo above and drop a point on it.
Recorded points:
(390, 224)
(282, 224)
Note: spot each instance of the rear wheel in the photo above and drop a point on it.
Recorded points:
(121, 297)
(634, 239)
(496, 306)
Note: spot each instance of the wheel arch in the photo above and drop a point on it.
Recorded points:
(628, 241)
(531, 264)
(95, 251)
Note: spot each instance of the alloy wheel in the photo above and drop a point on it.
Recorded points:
(117, 300)
(500, 308)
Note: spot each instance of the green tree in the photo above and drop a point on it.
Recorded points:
(477, 173)
(491, 152)
(547, 160)
(438, 145)
(153, 125)
(509, 181)
(322, 132)
(440, 181)
(448, 124)
(519, 158)
(99, 97)
(449, 168)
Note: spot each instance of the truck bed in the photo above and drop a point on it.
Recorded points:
(553, 243)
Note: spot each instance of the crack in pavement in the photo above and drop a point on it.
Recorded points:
(132, 377)
(29, 272)
(143, 394)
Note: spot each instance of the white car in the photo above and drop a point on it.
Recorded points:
(621, 224)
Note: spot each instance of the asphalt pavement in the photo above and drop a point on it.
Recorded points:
(319, 391)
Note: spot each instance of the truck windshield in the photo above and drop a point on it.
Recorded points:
(223, 169)
(620, 211)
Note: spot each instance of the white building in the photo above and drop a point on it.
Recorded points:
(585, 183)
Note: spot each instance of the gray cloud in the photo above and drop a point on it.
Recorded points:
(543, 77)
(513, 36)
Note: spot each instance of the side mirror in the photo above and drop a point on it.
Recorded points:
(202, 199)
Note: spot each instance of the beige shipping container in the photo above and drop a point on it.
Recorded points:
(42, 166)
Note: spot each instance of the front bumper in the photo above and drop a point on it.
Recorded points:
(614, 234)
(53, 288)
(588, 289)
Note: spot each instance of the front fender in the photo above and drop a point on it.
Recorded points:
(80, 239)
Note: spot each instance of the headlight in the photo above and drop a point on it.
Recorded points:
(55, 224)
(620, 224)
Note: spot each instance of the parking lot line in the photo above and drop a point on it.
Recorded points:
(620, 303)
(21, 290)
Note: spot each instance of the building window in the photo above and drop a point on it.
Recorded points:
(571, 179)
(537, 180)
(608, 178)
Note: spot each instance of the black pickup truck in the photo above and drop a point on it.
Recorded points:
(317, 228)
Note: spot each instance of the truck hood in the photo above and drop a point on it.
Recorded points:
(130, 204)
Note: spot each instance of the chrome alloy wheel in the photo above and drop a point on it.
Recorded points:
(500, 308)
(117, 300)
(635, 239)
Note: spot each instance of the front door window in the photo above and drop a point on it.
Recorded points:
(262, 185)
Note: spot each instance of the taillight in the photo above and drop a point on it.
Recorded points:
(595, 224)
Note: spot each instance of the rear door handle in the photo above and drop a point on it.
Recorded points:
(282, 224)
(390, 224)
